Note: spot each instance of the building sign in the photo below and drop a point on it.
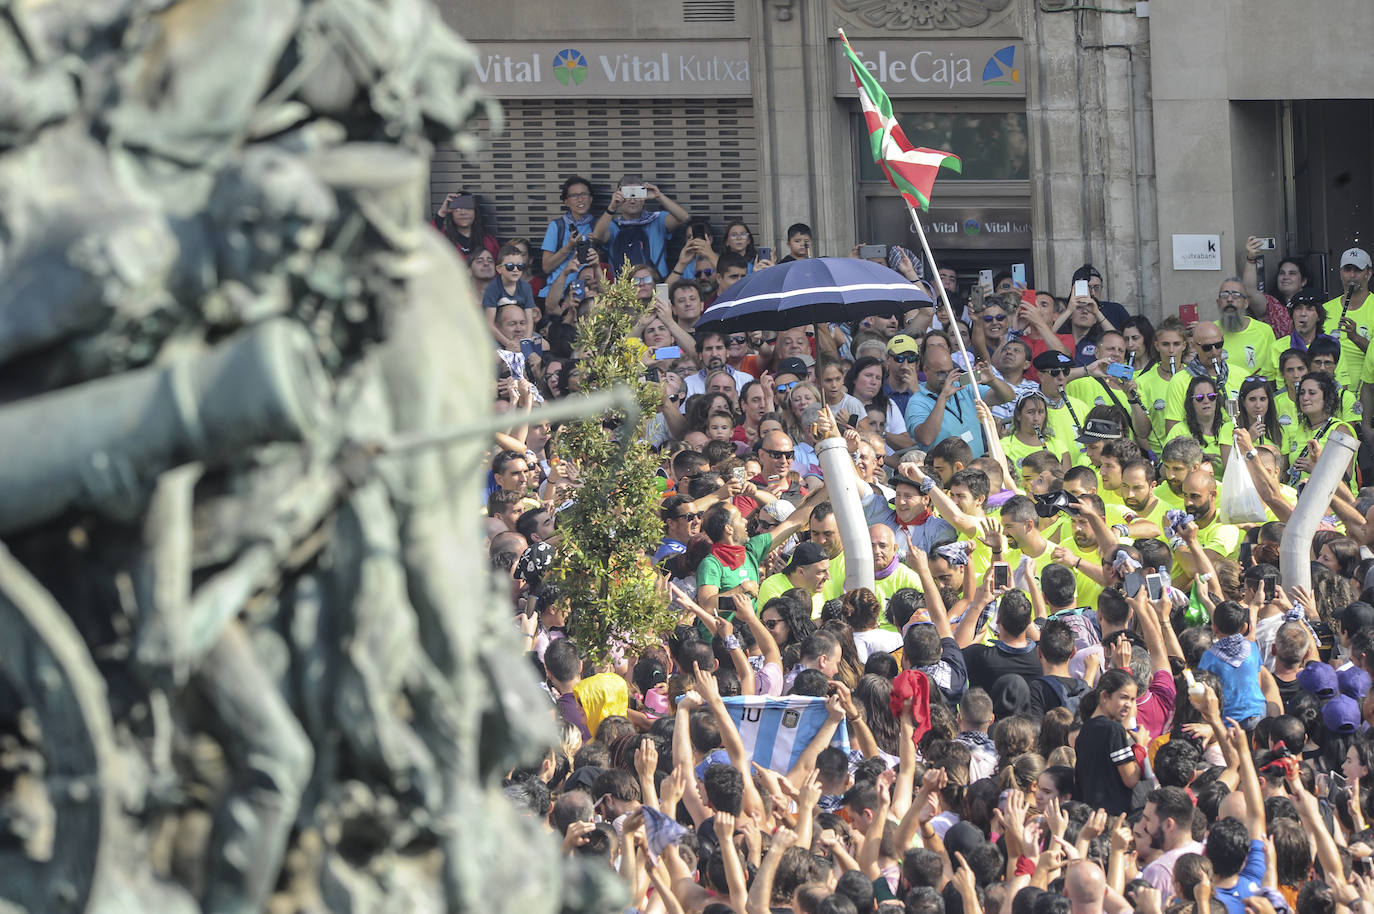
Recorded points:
(1197, 252)
(957, 227)
(614, 69)
(936, 67)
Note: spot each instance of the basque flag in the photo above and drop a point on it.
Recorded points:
(777, 730)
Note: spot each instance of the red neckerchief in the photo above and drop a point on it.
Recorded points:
(730, 556)
(916, 521)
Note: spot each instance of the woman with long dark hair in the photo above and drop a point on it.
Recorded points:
(1257, 411)
(460, 219)
(1139, 334)
(1319, 402)
(1205, 419)
(1108, 770)
(865, 382)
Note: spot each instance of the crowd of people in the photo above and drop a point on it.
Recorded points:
(1072, 684)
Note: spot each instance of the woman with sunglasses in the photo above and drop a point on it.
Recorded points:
(1030, 430)
(1161, 353)
(460, 219)
(1205, 420)
(1319, 404)
(1257, 413)
(990, 327)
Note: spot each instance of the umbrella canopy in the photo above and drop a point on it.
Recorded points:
(811, 291)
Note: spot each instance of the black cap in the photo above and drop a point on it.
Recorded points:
(806, 553)
(1051, 358)
(1087, 271)
(1306, 297)
(1099, 430)
(793, 365)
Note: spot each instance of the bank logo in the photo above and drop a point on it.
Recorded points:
(570, 67)
(1001, 68)
(971, 227)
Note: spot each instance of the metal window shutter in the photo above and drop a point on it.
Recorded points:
(702, 153)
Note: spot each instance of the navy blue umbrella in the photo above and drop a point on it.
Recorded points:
(812, 291)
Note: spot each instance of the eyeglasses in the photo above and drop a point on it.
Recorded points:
(706, 271)
(1208, 347)
(1230, 293)
(769, 623)
(778, 455)
(784, 388)
(643, 280)
(514, 267)
(738, 340)
(904, 358)
(692, 516)
(989, 318)
(1198, 398)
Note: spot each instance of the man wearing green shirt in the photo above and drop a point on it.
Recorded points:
(809, 569)
(1250, 347)
(733, 563)
(1356, 305)
(1221, 541)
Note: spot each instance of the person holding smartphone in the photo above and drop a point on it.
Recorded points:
(572, 227)
(633, 234)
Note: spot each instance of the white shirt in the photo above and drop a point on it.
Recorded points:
(696, 384)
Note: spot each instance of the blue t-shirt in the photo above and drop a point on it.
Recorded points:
(1241, 696)
(556, 235)
(960, 419)
(1251, 875)
(656, 241)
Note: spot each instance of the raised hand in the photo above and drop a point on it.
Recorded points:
(646, 759)
(1096, 825)
(964, 882)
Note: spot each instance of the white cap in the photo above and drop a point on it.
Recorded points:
(1355, 258)
(779, 510)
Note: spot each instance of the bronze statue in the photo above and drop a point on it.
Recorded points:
(243, 662)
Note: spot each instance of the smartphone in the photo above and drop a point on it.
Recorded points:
(1123, 372)
(667, 352)
(653, 374)
(1133, 581)
(661, 292)
(1001, 575)
(873, 252)
(853, 421)
(634, 192)
(584, 252)
(1269, 244)
(1188, 314)
(968, 379)
(765, 254)
(1018, 274)
(1154, 585)
(739, 474)
(985, 280)
(1028, 296)
(1080, 288)
(1269, 587)
(529, 348)
(699, 228)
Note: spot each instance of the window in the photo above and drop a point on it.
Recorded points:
(992, 145)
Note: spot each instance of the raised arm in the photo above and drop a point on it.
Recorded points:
(966, 524)
(684, 762)
(1257, 300)
(935, 604)
(761, 892)
(807, 760)
(732, 742)
(1150, 630)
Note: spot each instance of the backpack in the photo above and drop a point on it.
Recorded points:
(1062, 693)
(631, 243)
(1084, 632)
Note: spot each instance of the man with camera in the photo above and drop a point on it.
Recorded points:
(634, 235)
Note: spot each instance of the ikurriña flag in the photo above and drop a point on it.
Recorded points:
(910, 169)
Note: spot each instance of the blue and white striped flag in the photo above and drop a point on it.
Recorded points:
(660, 830)
(777, 730)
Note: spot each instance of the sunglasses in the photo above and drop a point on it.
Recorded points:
(638, 280)
(769, 623)
(706, 271)
(673, 398)
(811, 334)
(778, 455)
(989, 318)
(1198, 398)
(1057, 372)
(784, 388)
(738, 340)
(693, 516)
(1208, 347)
(904, 358)
(513, 267)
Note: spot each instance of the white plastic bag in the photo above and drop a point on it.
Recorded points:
(1240, 501)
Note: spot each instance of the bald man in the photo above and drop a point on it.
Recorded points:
(890, 574)
(1206, 356)
(1220, 541)
(1085, 885)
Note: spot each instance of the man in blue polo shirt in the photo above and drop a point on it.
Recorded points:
(942, 408)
